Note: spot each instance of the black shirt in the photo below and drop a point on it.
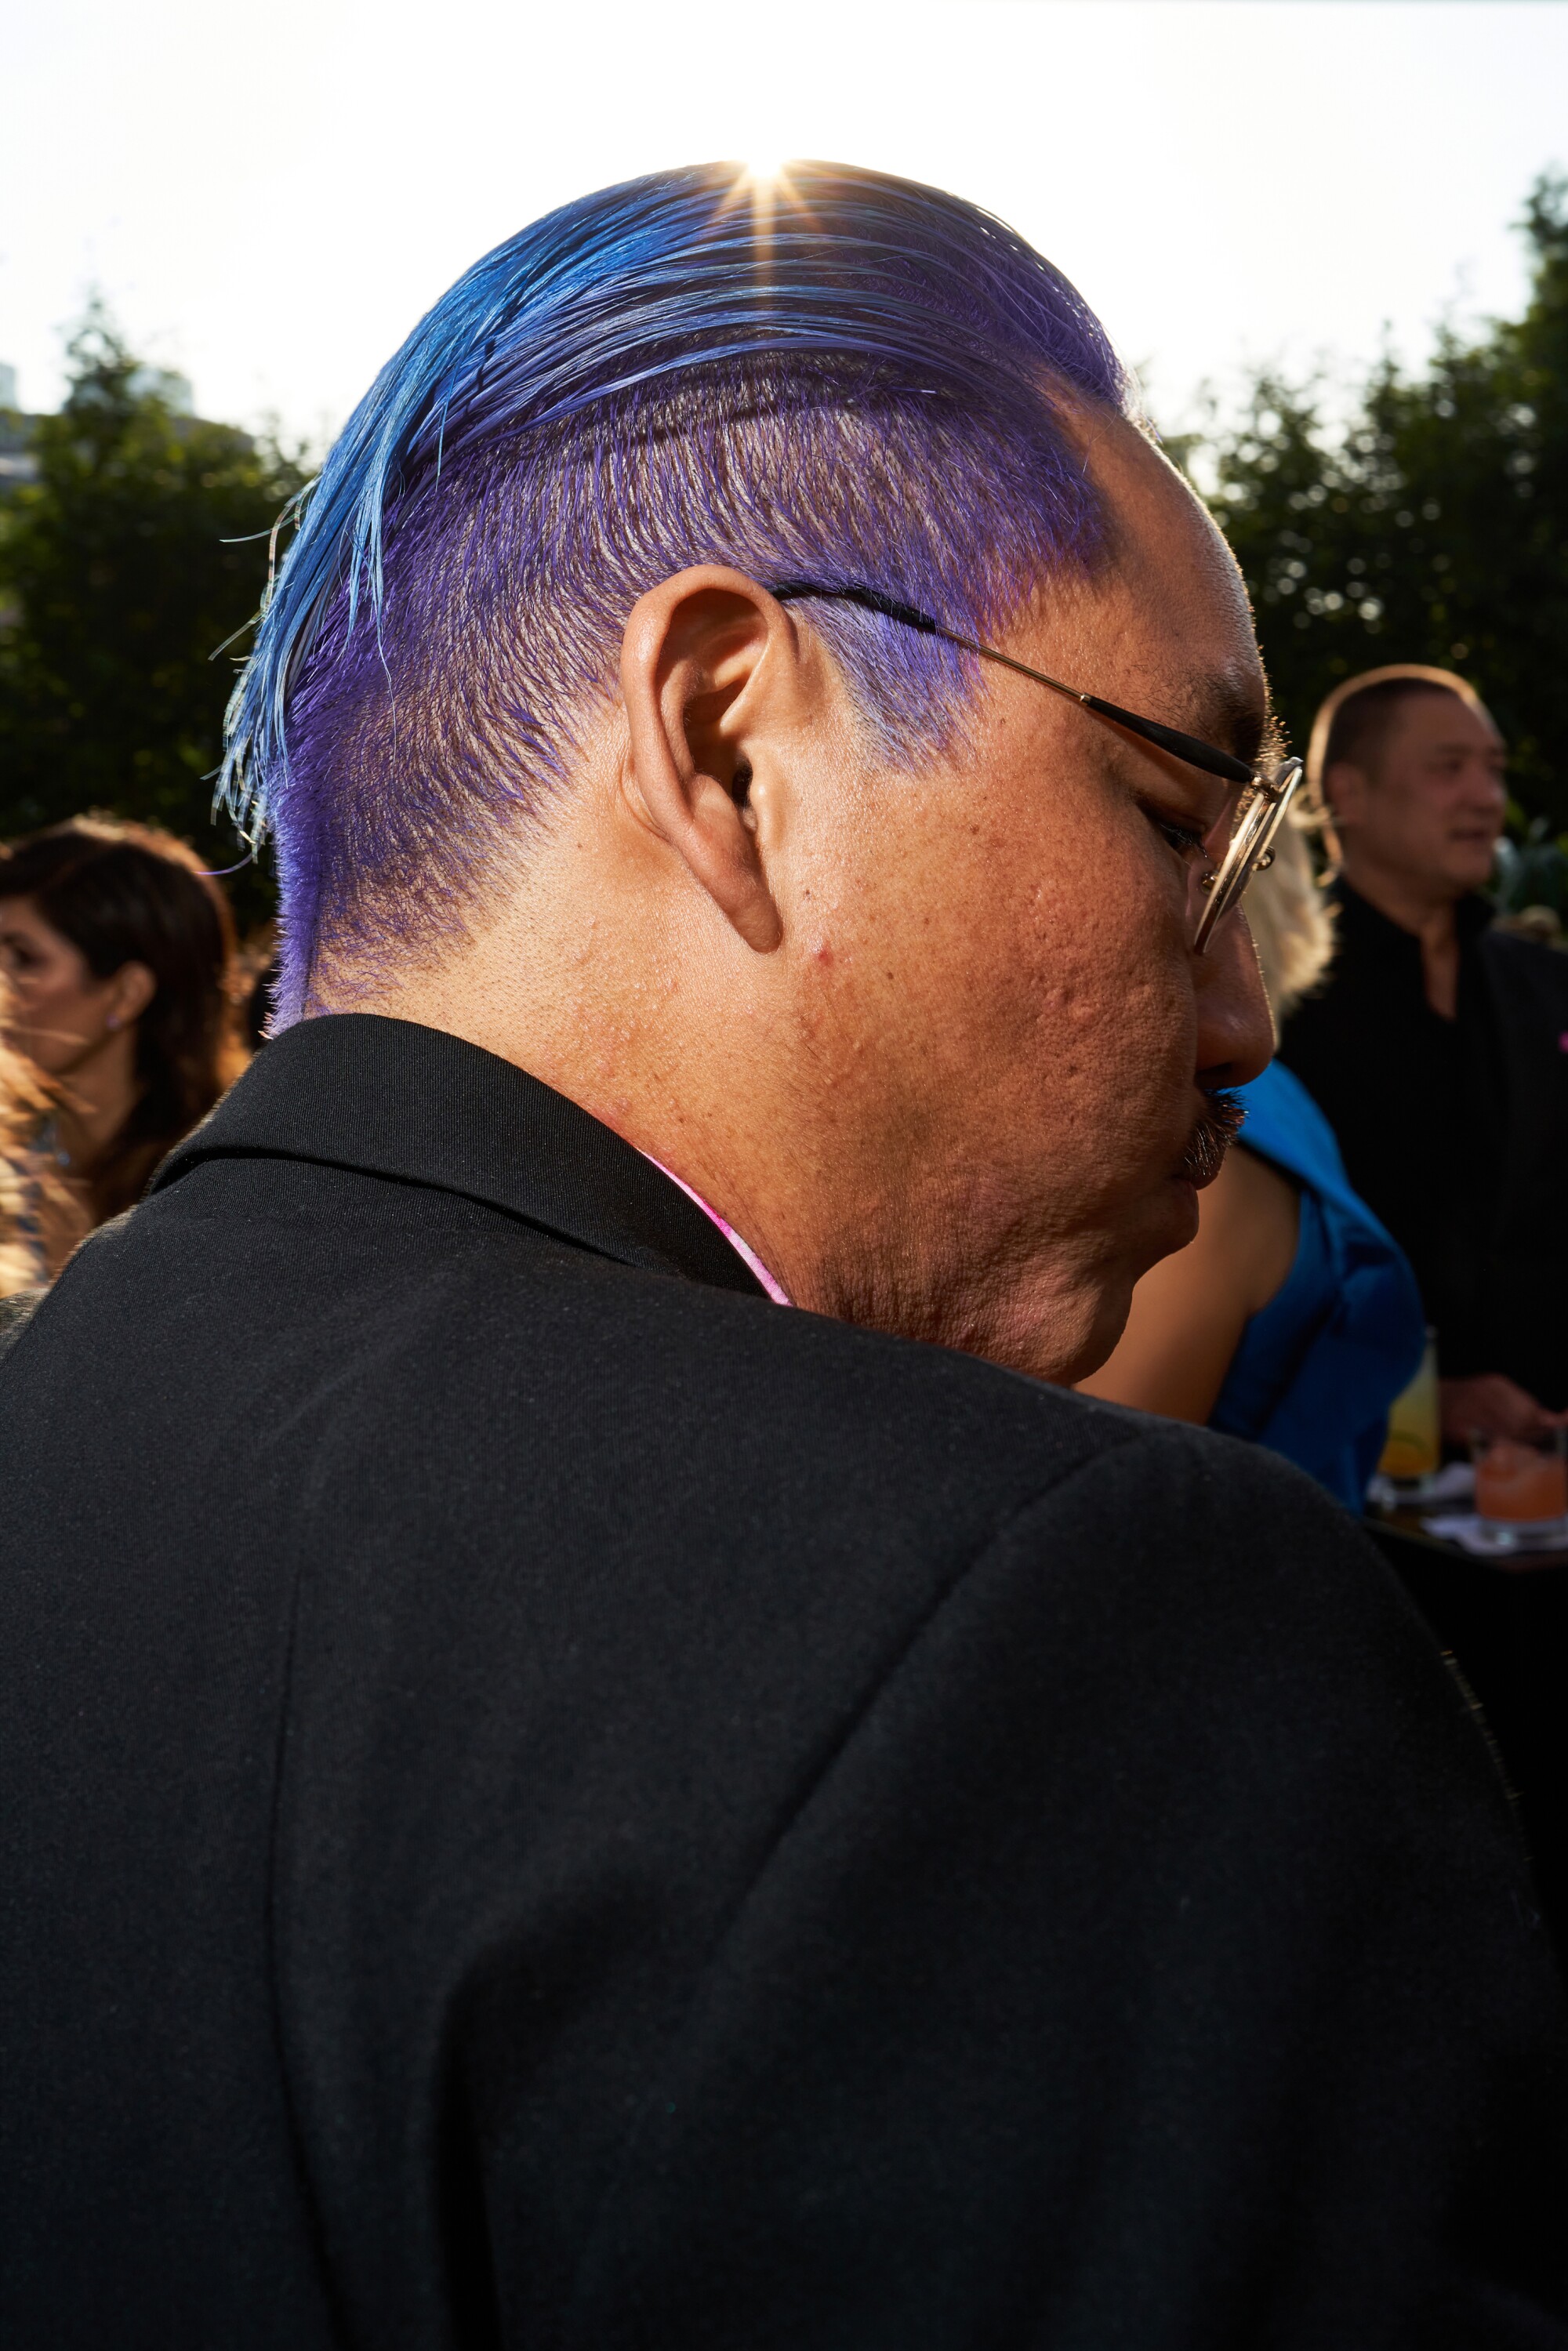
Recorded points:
(551, 1802)
(1455, 1132)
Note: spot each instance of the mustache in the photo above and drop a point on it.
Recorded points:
(1215, 1129)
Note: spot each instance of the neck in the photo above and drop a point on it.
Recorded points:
(1426, 913)
(99, 1091)
(640, 1057)
(775, 1162)
(1425, 908)
(745, 1080)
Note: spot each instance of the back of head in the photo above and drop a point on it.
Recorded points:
(124, 893)
(840, 376)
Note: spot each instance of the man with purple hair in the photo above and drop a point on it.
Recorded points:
(568, 1784)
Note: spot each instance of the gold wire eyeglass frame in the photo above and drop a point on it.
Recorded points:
(1266, 790)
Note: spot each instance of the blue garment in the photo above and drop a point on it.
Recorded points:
(1318, 1368)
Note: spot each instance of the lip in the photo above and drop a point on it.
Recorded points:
(1197, 1184)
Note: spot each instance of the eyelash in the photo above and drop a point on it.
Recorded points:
(1182, 838)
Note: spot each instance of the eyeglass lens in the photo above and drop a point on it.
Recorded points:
(1257, 822)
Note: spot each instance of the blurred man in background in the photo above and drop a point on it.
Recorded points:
(1438, 1046)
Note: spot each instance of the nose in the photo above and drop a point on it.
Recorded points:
(1235, 1027)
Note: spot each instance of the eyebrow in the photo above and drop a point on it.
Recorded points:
(1232, 717)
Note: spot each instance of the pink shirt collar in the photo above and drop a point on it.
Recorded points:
(743, 1249)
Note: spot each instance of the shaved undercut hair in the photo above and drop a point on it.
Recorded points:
(837, 376)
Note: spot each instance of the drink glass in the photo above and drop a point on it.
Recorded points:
(1521, 1485)
(1414, 1446)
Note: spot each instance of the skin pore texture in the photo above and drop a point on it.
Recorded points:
(935, 1045)
(80, 1031)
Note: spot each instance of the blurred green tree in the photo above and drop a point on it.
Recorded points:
(138, 549)
(1430, 525)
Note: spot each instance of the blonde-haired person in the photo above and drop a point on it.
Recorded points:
(40, 1221)
(1293, 1318)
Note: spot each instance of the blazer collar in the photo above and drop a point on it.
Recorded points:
(389, 1098)
(1362, 921)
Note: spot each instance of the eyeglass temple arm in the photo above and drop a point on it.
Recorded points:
(1191, 748)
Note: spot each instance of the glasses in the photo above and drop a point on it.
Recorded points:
(1265, 789)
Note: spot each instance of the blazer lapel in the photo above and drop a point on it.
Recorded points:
(391, 1097)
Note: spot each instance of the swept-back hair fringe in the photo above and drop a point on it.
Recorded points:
(845, 376)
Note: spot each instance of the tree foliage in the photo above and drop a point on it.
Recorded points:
(138, 549)
(1432, 525)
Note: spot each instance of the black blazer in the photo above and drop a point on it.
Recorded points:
(551, 1802)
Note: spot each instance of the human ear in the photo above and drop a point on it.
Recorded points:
(709, 669)
(1344, 792)
(131, 991)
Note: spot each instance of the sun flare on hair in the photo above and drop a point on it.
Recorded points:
(762, 184)
(760, 187)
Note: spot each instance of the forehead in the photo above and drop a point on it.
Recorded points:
(1438, 722)
(1184, 612)
(20, 918)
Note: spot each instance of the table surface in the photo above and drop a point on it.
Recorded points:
(1407, 1518)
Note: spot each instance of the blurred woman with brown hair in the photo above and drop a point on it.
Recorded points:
(117, 952)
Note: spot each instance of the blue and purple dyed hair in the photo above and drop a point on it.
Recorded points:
(848, 378)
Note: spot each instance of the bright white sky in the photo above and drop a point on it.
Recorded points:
(270, 196)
